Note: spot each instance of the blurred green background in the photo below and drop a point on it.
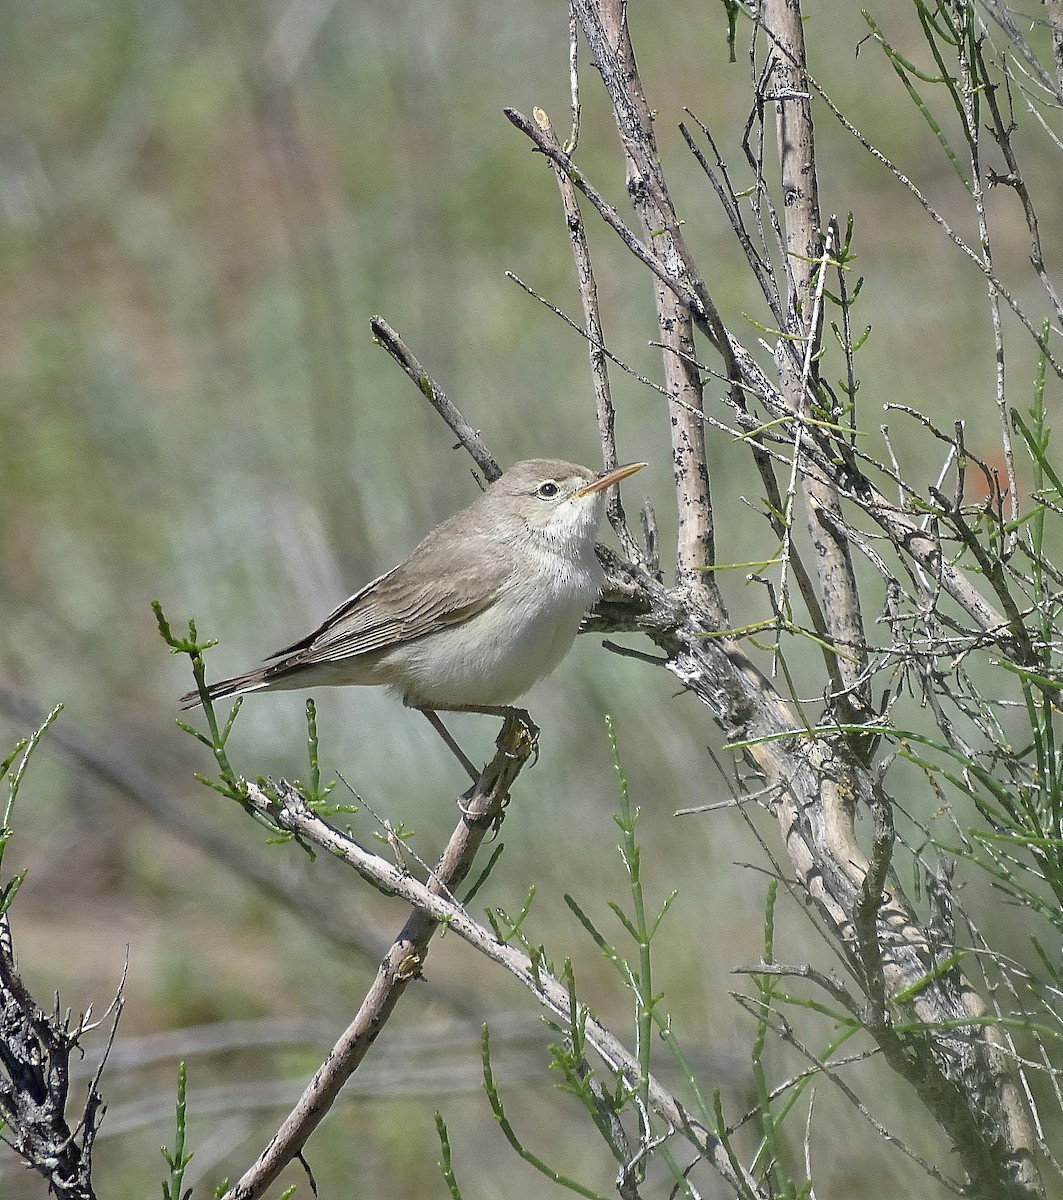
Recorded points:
(201, 205)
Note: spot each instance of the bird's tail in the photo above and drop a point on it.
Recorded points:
(252, 681)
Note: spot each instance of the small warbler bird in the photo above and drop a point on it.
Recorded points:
(488, 604)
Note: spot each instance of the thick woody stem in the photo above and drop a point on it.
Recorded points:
(879, 928)
(604, 25)
(805, 267)
(956, 1060)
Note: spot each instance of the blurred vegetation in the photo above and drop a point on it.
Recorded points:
(198, 215)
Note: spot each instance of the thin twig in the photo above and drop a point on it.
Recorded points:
(468, 436)
(588, 294)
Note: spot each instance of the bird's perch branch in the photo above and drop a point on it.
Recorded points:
(483, 808)
(405, 960)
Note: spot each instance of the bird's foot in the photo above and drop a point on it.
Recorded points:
(519, 735)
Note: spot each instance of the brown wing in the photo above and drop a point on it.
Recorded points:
(444, 581)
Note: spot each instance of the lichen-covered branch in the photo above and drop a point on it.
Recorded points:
(797, 355)
(35, 1054)
(605, 27)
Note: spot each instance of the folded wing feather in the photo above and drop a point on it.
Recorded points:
(413, 599)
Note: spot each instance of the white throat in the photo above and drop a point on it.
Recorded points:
(573, 527)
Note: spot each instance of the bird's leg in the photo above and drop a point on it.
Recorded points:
(437, 724)
(507, 713)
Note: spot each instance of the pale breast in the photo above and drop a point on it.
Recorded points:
(496, 656)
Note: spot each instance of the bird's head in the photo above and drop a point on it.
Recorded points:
(559, 502)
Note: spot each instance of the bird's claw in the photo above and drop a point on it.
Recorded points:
(523, 741)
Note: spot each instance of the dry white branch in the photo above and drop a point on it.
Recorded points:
(483, 807)
(807, 259)
(432, 908)
(595, 336)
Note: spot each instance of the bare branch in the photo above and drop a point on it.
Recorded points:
(35, 1054)
(465, 433)
(588, 293)
(434, 906)
(403, 963)
(807, 257)
(604, 25)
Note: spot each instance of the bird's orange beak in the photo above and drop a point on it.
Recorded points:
(608, 478)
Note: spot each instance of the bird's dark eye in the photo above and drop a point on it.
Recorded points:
(547, 490)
